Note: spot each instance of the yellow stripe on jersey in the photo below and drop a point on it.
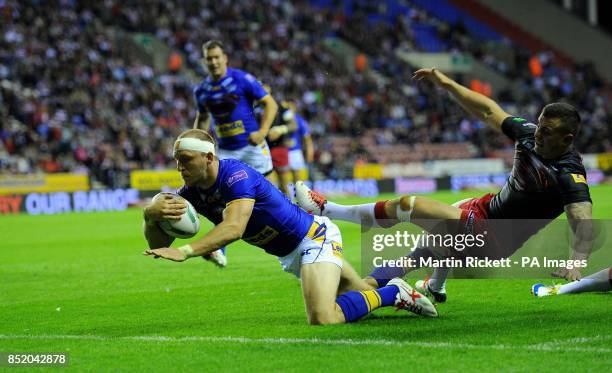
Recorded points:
(317, 232)
(372, 299)
(578, 178)
(239, 199)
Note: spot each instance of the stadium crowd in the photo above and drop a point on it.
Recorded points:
(70, 101)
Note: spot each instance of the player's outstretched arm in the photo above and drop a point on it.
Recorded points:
(202, 121)
(579, 217)
(155, 236)
(162, 208)
(474, 103)
(236, 218)
(270, 108)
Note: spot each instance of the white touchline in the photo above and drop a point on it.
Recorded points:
(546, 346)
(577, 340)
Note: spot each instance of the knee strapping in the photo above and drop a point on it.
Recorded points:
(404, 215)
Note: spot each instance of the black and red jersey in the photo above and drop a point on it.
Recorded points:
(537, 188)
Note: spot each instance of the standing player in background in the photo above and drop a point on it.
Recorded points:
(283, 126)
(228, 95)
(301, 151)
(597, 282)
(547, 179)
(257, 212)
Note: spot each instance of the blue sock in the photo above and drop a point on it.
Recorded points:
(383, 275)
(356, 304)
(388, 294)
(223, 250)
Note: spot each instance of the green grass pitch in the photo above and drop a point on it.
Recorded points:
(78, 283)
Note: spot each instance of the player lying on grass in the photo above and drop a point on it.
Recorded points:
(597, 282)
(257, 212)
(547, 179)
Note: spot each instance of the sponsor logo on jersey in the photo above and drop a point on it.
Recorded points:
(264, 236)
(337, 249)
(236, 176)
(578, 178)
(230, 129)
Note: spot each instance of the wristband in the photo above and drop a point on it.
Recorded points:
(187, 250)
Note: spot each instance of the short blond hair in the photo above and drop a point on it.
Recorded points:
(199, 134)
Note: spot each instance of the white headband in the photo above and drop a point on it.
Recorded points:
(189, 143)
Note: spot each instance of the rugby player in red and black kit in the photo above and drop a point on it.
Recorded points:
(547, 179)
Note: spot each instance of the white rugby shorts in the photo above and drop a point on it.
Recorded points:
(322, 244)
(256, 156)
(296, 160)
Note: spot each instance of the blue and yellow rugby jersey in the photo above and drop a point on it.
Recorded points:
(206, 202)
(295, 141)
(230, 101)
(276, 225)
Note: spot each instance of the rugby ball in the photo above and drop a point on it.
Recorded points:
(187, 227)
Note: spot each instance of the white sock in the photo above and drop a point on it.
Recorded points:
(437, 281)
(404, 215)
(599, 281)
(353, 213)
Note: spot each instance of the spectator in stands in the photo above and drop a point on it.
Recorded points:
(71, 90)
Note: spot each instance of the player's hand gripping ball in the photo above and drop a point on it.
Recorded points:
(187, 226)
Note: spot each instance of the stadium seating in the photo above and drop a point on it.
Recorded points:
(74, 100)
